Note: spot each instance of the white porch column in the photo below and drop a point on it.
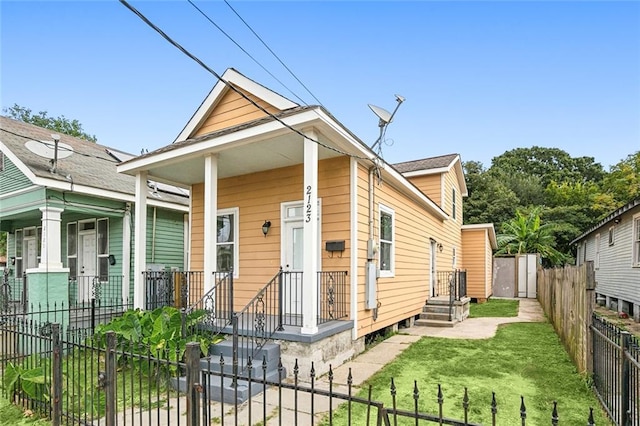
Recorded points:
(310, 242)
(50, 244)
(210, 218)
(140, 240)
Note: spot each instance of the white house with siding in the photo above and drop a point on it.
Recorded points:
(613, 245)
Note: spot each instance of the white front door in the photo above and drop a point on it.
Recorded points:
(86, 263)
(293, 262)
(433, 276)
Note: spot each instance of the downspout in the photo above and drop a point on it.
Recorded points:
(153, 237)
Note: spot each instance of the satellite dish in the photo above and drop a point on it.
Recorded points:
(384, 115)
(47, 149)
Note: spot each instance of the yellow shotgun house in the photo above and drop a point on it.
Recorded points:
(285, 196)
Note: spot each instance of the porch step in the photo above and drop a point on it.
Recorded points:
(440, 316)
(223, 389)
(436, 309)
(434, 323)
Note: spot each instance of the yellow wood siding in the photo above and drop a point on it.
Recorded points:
(403, 295)
(453, 226)
(475, 244)
(431, 185)
(232, 110)
(258, 197)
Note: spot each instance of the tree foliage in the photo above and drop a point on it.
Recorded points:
(526, 234)
(568, 194)
(42, 119)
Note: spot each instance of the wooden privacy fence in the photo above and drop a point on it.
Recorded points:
(567, 298)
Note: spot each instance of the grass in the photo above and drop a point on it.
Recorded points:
(495, 308)
(522, 359)
(12, 415)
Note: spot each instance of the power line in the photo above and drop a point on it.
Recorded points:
(272, 52)
(245, 51)
(229, 85)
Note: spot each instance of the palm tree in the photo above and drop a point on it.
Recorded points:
(525, 234)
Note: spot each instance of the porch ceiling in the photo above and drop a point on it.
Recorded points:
(237, 159)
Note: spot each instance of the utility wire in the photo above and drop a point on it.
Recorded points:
(231, 86)
(243, 49)
(272, 52)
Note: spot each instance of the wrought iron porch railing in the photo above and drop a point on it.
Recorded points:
(452, 283)
(334, 296)
(102, 289)
(173, 288)
(13, 292)
(216, 303)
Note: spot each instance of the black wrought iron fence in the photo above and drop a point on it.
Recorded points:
(216, 305)
(452, 283)
(74, 379)
(616, 371)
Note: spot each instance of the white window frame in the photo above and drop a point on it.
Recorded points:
(390, 272)
(102, 256)
(19, 242)
(635, 241)
(612, 235)
(72, 274)
(453, 203)
(597, 256)
(235, 211)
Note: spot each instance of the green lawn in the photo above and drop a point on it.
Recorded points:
(494, 308)
(14, 416)
(522, 359)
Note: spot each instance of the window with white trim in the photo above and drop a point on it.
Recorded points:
(597, 259)
(453, 203)
(611, 235)
(18, 251)
(227, 241)
(103, 249)
(636, 240)
(72, 249)
(387, 241)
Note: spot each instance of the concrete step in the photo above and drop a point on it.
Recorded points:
(440, 309)
(224, 390)
(435, 316)
(434, 323)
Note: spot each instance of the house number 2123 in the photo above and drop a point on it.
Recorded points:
(308, 206)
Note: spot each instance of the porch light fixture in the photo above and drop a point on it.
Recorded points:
(265, 227)
(440, 247)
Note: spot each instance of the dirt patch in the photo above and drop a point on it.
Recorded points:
(625, 323)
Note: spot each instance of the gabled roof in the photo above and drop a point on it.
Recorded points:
(215, 95)
(434, 165)
(610, 218)
(91, 169)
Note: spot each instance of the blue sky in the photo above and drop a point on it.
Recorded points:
(480, 78)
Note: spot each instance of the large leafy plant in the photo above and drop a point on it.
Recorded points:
(157, 331)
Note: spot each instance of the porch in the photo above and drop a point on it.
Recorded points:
(448, 303)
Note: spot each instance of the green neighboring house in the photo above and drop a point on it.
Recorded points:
(69, 218)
